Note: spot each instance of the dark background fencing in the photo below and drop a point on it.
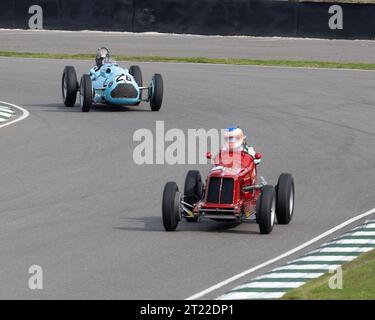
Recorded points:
(223, 17)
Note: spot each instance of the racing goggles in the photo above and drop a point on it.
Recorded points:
(233, 141)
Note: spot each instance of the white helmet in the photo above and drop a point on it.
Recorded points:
(102, 56)
(234, 138)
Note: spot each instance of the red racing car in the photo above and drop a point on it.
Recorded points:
(232, 192)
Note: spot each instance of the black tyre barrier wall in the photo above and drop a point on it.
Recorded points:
(210, 17)
(223, 17)
(110, 15)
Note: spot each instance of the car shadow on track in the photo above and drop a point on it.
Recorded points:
(58, 107)
(107, 108)
(154, 224)
(54, 107)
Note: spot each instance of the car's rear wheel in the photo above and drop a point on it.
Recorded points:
(170, 209)
(86, 93)
(285, 198)
(136, 72)
(157, 90)
(266, 210)
(69, 86)
(192, 191)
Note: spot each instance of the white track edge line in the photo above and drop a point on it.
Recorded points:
(24, 115)
(284, 255)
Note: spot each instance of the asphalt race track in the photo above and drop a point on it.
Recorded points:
(73, 201)
(148, 44)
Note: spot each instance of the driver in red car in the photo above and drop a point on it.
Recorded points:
(235, 140)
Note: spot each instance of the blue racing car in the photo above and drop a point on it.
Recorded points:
(108, 83)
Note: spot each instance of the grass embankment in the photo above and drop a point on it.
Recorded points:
(358, 283)
(203, 60)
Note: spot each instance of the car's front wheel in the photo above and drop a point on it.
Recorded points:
(69, 86)
(266, 210)
(193, 191)
(136, 72)
(170, 209)
(86, 93)
(285, 198)
(157, 91)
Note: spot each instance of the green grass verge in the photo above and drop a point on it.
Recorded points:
(232, 61)
(358, 283)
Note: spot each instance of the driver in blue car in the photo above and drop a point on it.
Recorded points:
(102, 56)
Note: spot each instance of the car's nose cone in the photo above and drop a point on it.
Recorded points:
(124, 90)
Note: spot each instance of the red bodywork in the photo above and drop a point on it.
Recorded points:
(240, 167)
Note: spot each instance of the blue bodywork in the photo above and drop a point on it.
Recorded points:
(110, 82)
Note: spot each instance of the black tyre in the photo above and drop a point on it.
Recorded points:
(86, 93)
(285, 198)
(266, 208)
(69, 86)
(136, 72)
(171, 215)
(192, 190)
(157, 92)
